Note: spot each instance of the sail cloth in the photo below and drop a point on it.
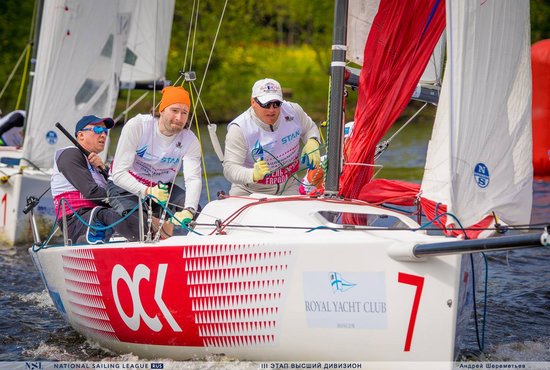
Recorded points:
(149, 41)
(80, 52)
(399, 45)
(361, 14)
(479, 157)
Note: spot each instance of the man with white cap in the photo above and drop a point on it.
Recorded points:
(150, 152)
(262, 146)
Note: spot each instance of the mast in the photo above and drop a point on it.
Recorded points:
(336, 100)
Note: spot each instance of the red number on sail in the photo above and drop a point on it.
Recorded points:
(5, 202)
(418, 282)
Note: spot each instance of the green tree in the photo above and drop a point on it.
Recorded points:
(15, 35)
(289, 40)
(540, 20)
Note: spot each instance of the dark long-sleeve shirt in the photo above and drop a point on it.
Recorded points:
(74, 166)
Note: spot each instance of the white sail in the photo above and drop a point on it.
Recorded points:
(149, 41)
(479, 157)
(79, 59)
(360, 17)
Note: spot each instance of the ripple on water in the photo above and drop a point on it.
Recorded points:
(521, 351)
(41, 299)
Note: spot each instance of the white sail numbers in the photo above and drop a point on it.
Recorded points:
(142, 272)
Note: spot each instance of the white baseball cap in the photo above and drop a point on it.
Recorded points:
(267, 90)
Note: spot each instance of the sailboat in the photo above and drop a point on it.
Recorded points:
(85, 50)
(322, 278)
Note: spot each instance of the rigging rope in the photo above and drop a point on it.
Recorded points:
(383, 145)
(211, 127)
(25, 51)
(196, 94)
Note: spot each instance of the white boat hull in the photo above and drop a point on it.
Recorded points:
(18, 183)
(287, 295)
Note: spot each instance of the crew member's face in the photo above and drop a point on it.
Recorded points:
(268, 112)
(173, 118)
(93, 137)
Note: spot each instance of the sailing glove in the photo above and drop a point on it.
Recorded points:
(159, 193)
(315, 177)
(311, 156)
(182, 218)
(261, 169)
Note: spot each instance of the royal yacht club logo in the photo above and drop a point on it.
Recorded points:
(345, 299)
(339, 284)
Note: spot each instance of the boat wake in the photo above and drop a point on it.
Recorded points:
(521, 351)
(40, 299)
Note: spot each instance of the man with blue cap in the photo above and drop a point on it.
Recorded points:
(77, 179)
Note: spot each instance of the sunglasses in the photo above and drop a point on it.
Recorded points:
(97, 130)
(274, 104)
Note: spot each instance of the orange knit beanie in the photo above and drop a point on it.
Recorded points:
(173, 95)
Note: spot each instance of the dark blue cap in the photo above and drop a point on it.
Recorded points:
(91, 120)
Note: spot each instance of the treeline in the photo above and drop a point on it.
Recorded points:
(288, 40)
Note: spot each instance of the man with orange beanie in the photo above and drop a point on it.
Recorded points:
(150, 152)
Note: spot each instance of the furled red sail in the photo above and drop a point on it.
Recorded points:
(540, 63)
(400, 43)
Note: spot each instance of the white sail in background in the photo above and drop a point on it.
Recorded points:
(79, 60)
(479, 157)
(149, 41)
(360, 17)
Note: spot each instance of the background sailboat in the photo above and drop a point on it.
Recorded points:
(82, 46)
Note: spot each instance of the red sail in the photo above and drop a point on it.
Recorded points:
(540, 63)
(400, 43)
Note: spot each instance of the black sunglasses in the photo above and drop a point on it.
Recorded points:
(274, 104)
